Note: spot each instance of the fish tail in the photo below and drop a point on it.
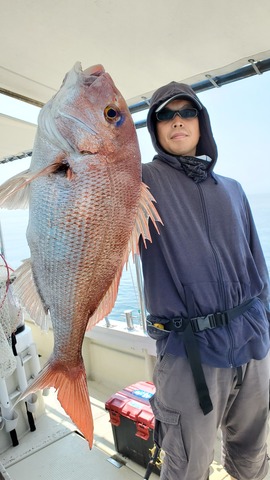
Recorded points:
(72, 393)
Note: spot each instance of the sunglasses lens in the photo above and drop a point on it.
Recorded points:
(167, 114)
(188, 113)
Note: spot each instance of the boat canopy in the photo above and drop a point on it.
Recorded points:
(143, 44)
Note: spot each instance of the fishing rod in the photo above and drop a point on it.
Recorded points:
(9, 416)
(22, 380)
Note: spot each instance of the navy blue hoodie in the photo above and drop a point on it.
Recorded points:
(208, 244)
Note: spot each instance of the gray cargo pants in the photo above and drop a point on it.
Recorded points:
(188, 437)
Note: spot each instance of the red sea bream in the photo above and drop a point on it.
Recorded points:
(87, 209)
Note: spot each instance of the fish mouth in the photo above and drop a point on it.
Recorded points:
(94, 70)
(90, 74)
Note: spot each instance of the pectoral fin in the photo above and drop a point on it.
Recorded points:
(14, 193)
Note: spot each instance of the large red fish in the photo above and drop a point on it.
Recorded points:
(87, 209)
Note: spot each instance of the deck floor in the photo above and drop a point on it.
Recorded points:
(56, 451)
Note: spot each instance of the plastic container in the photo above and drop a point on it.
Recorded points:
(132, 421)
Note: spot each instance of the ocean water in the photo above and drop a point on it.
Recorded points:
(14, 223)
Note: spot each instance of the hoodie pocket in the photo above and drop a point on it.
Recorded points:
(168, 430)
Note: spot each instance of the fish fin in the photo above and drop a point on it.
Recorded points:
(146, 211)
(108, 301)
(72, 393)
(25, 289)
(15, 192)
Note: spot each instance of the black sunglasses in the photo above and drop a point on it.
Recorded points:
(167, 114)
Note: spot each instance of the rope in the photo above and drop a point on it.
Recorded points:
(10, 316)
(19, 156)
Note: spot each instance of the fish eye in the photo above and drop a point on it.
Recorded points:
(112, 114)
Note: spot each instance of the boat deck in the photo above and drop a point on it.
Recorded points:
(57, 451)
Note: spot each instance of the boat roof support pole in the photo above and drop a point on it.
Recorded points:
(140, 290)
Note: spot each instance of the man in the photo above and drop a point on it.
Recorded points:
(207, 294)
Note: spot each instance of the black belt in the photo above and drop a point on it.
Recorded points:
(198, 324)
(195, 325)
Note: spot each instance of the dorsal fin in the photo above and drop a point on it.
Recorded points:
(146, 211)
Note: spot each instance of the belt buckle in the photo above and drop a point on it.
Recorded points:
(204, 323)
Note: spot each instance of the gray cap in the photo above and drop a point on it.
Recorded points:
(194, 100)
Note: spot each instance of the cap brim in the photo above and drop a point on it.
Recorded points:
(183, 95)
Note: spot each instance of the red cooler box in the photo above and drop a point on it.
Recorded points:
(132, 421)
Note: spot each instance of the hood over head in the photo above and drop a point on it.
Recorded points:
(166, 94)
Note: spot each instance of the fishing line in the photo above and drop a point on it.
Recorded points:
(6, 266)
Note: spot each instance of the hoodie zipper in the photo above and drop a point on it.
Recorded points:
(217, 262)
(218, 266)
